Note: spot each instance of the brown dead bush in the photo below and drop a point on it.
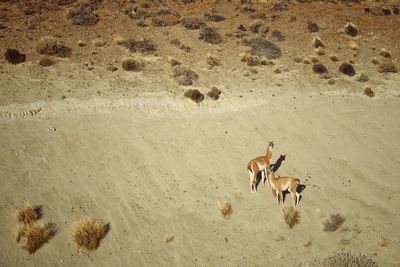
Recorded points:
(46, 61)
(192, 23)
(13, 56)
(210, 35)
(34, 235)
(214, 93)
(291, 216)
(132, 65)
(28, 214)
(52, 46)
(369, 92)
(88, 233)
(145, 46)
(225, 208)
(82, 13)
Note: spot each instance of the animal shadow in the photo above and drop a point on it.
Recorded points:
(274, 167)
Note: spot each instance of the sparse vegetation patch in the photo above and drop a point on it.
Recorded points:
(209, 35)
(192, 23)
(52, 46)
(82, 13)
(34, 235)
(333, 223)
(291, 216)
(195, 95)
(28, 214)
(225, 208)
(132, 65)
(262, 47)
(347, 258)
(88, 233)
(145, 46)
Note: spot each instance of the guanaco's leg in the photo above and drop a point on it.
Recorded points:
(281, 195)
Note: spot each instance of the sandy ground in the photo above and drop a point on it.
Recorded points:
(154, 172)
(129, 149)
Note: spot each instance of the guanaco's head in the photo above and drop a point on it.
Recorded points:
(270, 146)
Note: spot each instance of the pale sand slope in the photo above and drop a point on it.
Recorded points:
(156, 175)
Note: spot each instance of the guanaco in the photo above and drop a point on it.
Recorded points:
(284, 184)
(259, 164)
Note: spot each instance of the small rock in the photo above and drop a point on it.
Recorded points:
(307, 60)
(298, 60)
(374, 60)
(362, 78)
(320, 51)
(319, 68)
(277, 70)
(314, 59)
(119, 40)
(334, 58)
(350, 29)
(385, 53)
(81, 43)
(13, 56)
(347, 69)
(353, 45)
(99, 42)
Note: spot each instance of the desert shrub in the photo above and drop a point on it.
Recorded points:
(278, 35)
(262, 47)
(29, 214)
(255, 25)
(82, 13)
(132, 65)
(334, 58)
(164, 21)
(195, 95)
(13, 56)
(52, 46)
(347, 69)
(184, 71)
(178, 44)
(209, 35)
(214, 93)
(192, 23)
(225, 208)
(312, 26)
(34, 235)
(347, 258)
(88, 233)
(214, 17)
(213, 61)
(387, 67)
(333, 223)
(291, 216)
(369, 92)
(145, 46)
(319, 68)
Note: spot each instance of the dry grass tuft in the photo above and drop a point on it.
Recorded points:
(332, 224)
(209, 35)
(192, 23)
(132, 65)
(347, 258)
(34, 235)
(184, 75)
(291, 216)
(28, 214)
(213, 61)
(225, 208)
(178, 44)
(52, 46)
(83, 13)
(383, 242)
(369, 92)
(145, 46)
(88, 233)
